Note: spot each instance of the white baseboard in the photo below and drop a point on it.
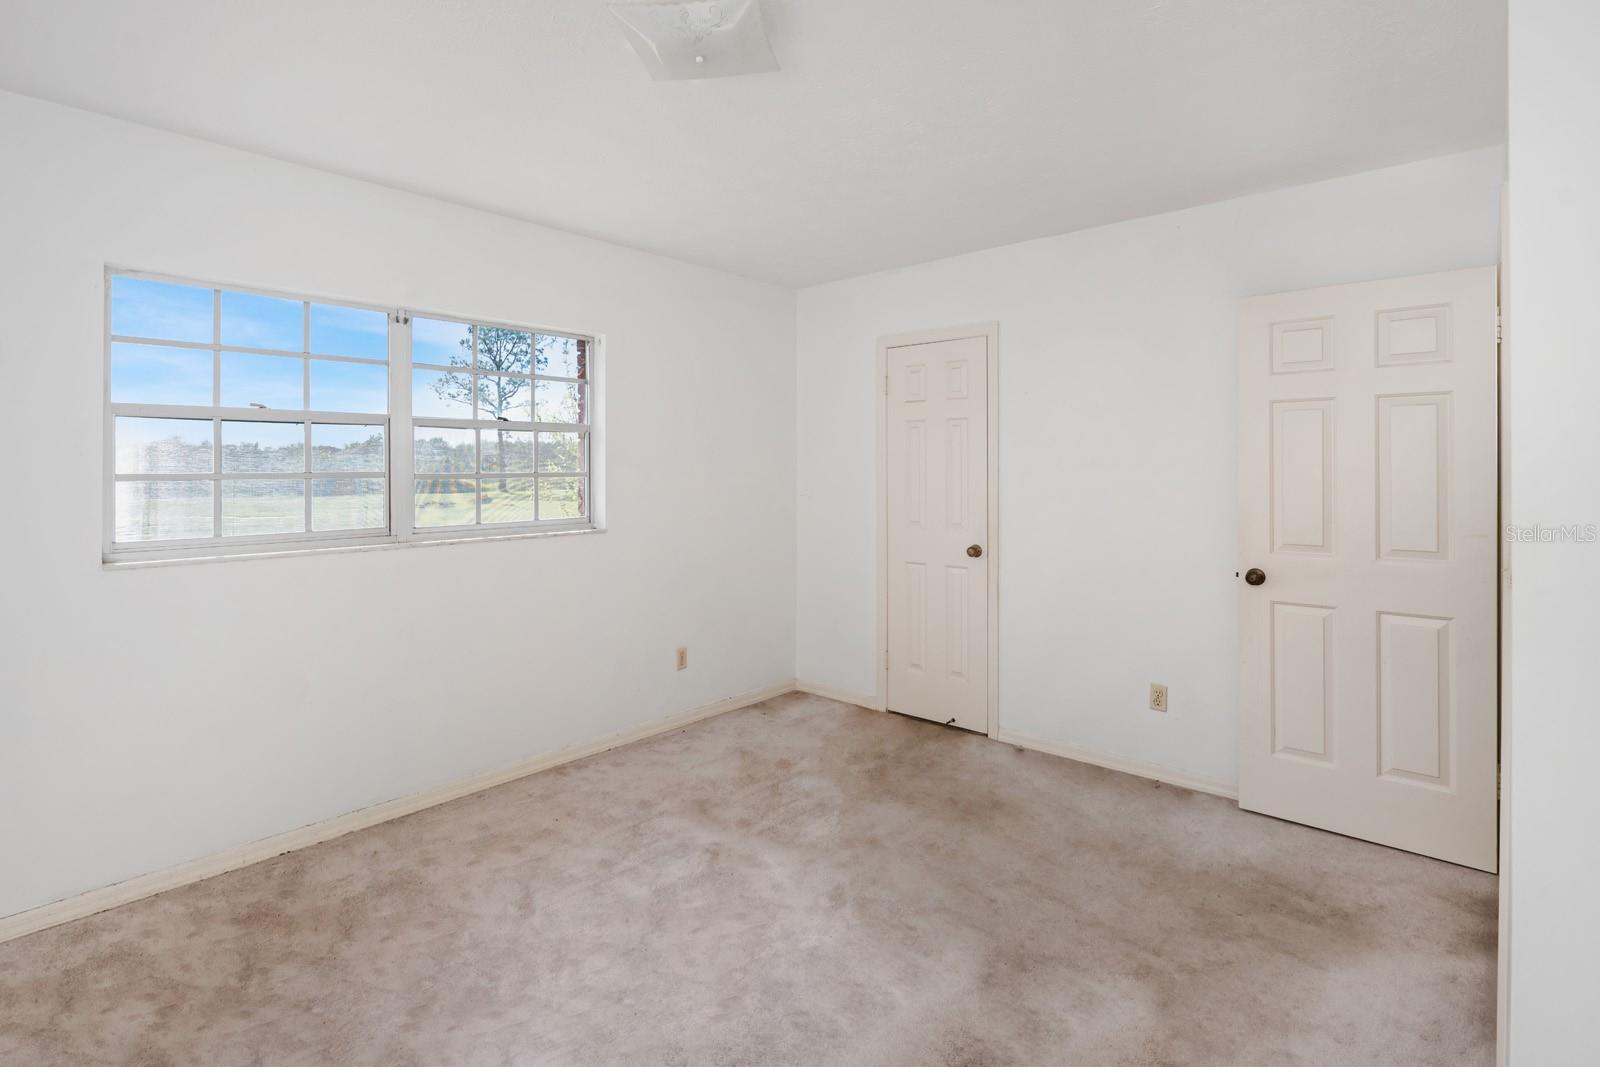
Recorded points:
(1199, 783)
(145, 885)
(861, 700)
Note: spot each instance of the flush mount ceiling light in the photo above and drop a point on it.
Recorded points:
(679, 39)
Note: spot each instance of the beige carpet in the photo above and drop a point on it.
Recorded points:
(801, 882)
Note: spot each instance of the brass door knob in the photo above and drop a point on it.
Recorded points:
(974, 551)
(1255, 576)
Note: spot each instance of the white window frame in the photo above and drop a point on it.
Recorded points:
(399, 437)
(473, 371)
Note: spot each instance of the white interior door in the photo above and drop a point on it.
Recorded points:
(937, 481)
(1367, 487)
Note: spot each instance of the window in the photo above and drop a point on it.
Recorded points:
(238, 421)
(500, 418)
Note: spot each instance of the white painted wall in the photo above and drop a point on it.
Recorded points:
(154, 716)
(1551, 728)
(1117, 442)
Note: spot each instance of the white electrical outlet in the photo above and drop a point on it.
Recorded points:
(1158, 697)
(683, 658)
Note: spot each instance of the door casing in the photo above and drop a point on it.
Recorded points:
(990, 331)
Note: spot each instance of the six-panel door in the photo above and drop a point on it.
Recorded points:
(1368, 495)
(936, 443)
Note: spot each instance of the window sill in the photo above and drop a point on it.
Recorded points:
(128, 563)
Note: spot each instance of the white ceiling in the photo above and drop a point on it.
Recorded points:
(897, 131)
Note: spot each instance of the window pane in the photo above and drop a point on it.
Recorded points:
(563, 498)
(505, 398)
(440, 450)
(441, 395)
(347, 504)
(263, 506)
(446, 501)
(342, 331)
(563, 451)
(263, 382)
(252, 321)
(262, 448)
(506, 499)
(163, 446)
(336, 447)
(148, 374)
(506, 450)
(504, 350)
(447, 344)
(161, 310)
(349, 386)
(162, 511)
(564, 357)
(559, 402)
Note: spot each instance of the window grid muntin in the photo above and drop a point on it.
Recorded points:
(474, 371)
(216, 414)
(477, 475)
(218, 476)
(395, 422)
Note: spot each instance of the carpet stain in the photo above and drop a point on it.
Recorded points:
(799, 882)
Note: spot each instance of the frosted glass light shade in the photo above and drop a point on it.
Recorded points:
(679, 39)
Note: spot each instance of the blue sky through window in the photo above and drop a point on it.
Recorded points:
(253, 321)
(349, 386)
(440, 342)
(152, 374)
(346, 331)
(264, 381)
(160, 310)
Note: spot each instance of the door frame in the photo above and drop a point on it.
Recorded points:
(990, 331)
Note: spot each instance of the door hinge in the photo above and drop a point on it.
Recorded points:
(885, 385)
(1499, 326)
(886, 659)
(1499, 782)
